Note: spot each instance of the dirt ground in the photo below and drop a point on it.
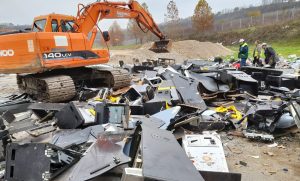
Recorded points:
(180, 51)
(142, 55)
(282, 166)
(261, 165)
(8, 85)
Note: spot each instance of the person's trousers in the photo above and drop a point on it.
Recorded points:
(243, 62)
(257, 61)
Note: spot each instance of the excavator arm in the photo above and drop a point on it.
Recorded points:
(88, 17)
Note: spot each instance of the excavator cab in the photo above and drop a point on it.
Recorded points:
(54, 23)
(161, 46)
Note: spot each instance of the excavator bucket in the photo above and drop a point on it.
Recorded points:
(161, 46)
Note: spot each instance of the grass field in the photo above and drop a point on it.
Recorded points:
(283, 48)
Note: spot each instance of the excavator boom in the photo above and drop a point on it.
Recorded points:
(88, 16)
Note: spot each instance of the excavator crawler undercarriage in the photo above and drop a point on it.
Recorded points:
(63, 85)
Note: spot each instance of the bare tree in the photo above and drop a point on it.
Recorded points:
(145, 6)
(203, 18)
(172, 12)
(136, 32)
(172, 19)
(116, 34)
(277, 1)
(265, 2)
(135, 29)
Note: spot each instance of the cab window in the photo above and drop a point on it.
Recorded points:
(39, 25)
(54, 25)
(67, 26)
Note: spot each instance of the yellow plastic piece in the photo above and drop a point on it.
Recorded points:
(113, 99)
(235, 113)
(98, 99)
(221, 109)
(92, 111)
(165, 88)
(204, 68)
(167, 105)
(110, 98)
(278, 99)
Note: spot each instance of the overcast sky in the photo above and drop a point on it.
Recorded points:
(23, 11)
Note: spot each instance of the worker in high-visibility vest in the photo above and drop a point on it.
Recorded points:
(243, 52)
(257, 54)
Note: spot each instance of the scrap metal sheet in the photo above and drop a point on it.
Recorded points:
(167, 115)
(104, 155)
(68, 139)
(164, 159)
(209, 83)
(187, 88)
(206, 152)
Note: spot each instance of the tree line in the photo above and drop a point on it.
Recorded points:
(202, 19)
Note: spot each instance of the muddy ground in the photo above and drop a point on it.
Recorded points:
(284, 165)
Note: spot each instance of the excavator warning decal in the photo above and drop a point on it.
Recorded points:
(30, 46)
(122, 14)
(61, 41)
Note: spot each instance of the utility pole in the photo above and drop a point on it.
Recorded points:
(277, 16)
(293, 12)
(240, 23)
(263, 19)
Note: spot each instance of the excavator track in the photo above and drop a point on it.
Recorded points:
(63, 85)
(58, 88)
(118, 78)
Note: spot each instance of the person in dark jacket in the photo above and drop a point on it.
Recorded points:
(243, 52)
(271, 56)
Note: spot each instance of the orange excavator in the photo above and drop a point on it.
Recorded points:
(55, 58)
